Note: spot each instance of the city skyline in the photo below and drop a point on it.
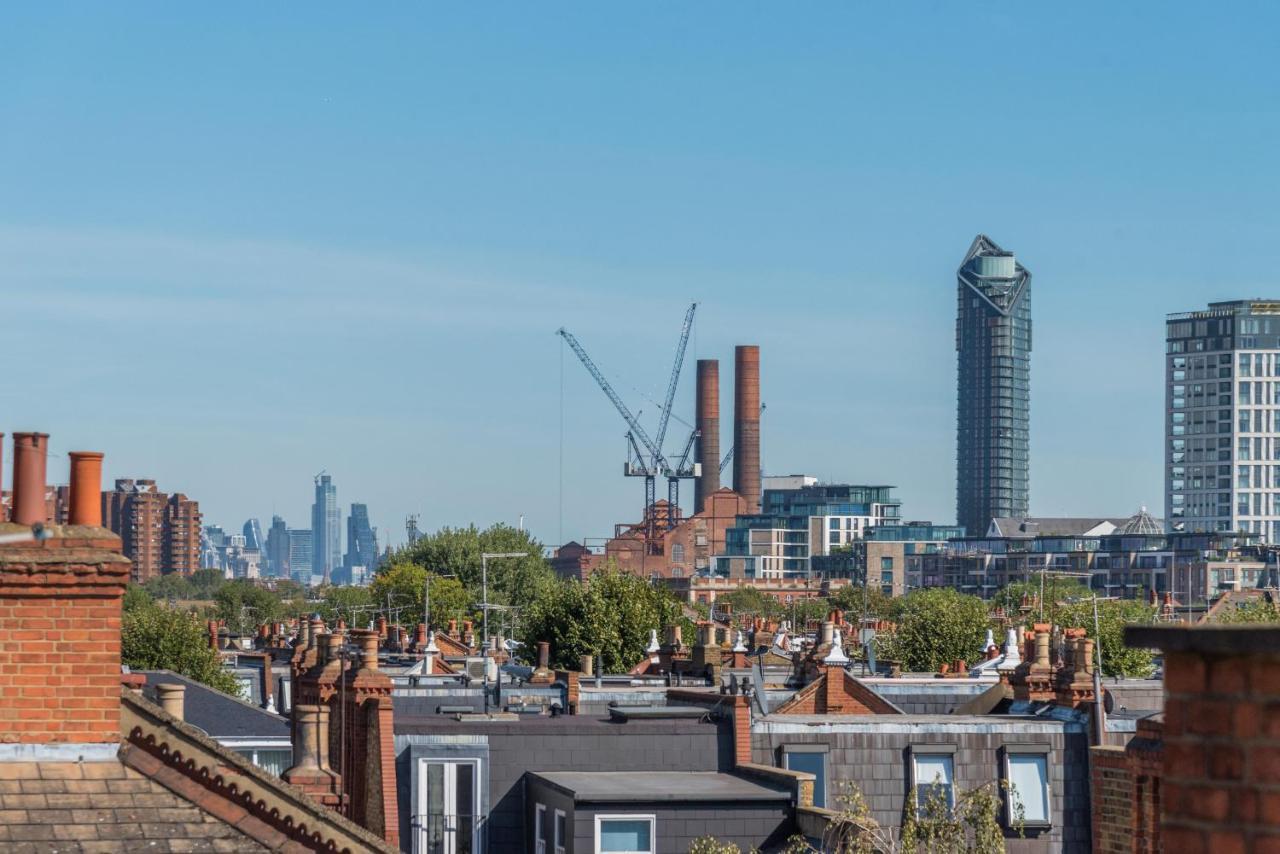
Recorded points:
(459, 223)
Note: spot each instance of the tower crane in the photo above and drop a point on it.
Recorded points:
(645, 457)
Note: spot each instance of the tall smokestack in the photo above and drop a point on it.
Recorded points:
(708, 442)
(29, 452)
(746, 424)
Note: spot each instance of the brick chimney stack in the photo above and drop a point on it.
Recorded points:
(60, 604)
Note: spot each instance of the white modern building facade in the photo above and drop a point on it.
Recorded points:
(1222, 419)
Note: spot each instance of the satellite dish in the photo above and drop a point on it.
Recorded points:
(1108, 701)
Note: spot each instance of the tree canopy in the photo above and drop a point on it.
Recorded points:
(935, 626)
(513, 582)
(157, 637)
(610, 615)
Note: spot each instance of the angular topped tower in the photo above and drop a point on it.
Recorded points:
(993, 343)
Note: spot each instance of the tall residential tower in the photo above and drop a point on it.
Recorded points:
(993, 342)
(1222, 418)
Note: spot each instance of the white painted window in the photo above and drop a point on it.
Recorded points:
(625, 834)
(447, 814)
(540, 829)
(933, 777)
(1027, 775)
(560, 831)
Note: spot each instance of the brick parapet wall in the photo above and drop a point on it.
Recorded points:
(60, 638)
(1112, 799)
(1220, 789)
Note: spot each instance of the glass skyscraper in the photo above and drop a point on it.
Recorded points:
(993, 343)
(362, 543)
(326, 550)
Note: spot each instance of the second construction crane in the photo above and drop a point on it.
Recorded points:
(645, 457)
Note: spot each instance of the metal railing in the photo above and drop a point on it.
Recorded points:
(451, 833)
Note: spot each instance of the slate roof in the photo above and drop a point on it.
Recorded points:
(652, 786)
(103, 806)
(217, 714)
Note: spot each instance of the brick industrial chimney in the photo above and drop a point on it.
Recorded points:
(746, 424)
(708, 423)
(29, 453)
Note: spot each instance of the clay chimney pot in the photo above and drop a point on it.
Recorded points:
(172, 698)
(86, 488)
(30, 454)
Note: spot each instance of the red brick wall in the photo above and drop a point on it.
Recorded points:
(60, 642)
(1112, 793)
(1222, 752)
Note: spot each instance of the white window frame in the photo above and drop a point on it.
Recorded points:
(947, 750)
(1043, 752)
(555, 831)
(652, 818)
(539, 828)
(420, 813)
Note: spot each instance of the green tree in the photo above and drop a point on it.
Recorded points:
(352, 604)
(854, 598)
(157, 637)
(136, 596)
(243, 606)
(1113, 615)
(748, 601)
(611, 615)
(1056, 590)
(171, 587)
(403, 584)
(1258, 610)
(456, 551)
(206, 582)
(934, 626)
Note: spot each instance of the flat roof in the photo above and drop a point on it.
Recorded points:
(651, 786)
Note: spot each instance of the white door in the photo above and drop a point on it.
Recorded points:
(448, 801)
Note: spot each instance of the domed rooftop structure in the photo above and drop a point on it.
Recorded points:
(1142, 523)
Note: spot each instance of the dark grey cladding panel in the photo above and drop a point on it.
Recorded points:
(750, 827)
(876, 761)
(567, 743)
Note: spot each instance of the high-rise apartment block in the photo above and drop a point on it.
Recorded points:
(1222, 419)
(160, 533)
(362, 544)
(993, 343)
(326, 549)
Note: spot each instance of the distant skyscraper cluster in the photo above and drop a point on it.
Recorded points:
(308, 556)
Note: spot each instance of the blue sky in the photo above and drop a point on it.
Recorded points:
(241, 244)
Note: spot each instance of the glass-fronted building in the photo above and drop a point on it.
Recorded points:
(993, 346)
(326, 548)
(796, 525)
(1222, 419)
